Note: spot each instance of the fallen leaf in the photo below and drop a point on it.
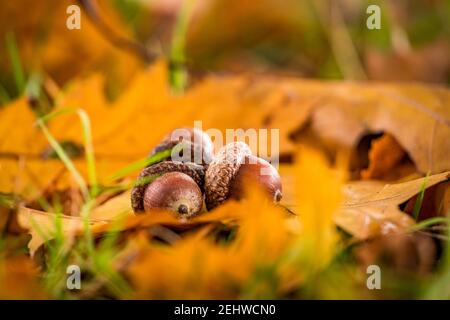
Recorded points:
(42, 227)
(384, 155)
(18, 134)
(19, 279)
(417, 117)
(370, 208)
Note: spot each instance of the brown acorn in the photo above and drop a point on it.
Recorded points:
(232, 166)
(261, 172)
(174, 191)
(196, 144)
(172, 185)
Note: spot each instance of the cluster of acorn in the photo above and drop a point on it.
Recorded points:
(183, 186)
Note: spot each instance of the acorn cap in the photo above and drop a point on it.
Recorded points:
(195, 140)
(222, 171)
(196, 172)
(162, 146)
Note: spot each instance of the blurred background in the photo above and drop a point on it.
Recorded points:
(320, 39)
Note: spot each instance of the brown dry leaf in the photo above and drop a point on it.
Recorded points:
(370, 208)
(41, 226)
(385, 153)
(18, 133)
(22, 171)
(115, 207)
(19, 279)
(86, 94)
(160, 217)
(417, 116)
(28, 176)
(138, 118)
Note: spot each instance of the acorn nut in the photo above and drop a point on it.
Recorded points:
(176, 186)
(262, 172)
(174, 191)
(232, 166)
(196, 145)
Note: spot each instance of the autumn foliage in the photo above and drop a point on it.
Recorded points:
(364, 167)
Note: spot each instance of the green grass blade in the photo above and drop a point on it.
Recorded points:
(4, 95)
(140, 164)
(64, 158)
(54, 114)
(13, 52)
(89, 241)
(89, 151)
(7, 200)
(127, 186)
(88, 146)
(34, 85)
(177, 66)
(419, 200)
(429, 222)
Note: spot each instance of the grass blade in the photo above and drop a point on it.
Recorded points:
(419, 200)
(13, 52)
(89, 151)
(54, 114)
(429, 222)
(177, 65)
(64, 158)
(4, 95)
(140, 164)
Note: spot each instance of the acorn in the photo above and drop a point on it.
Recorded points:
(193, 141)
(233, 165)
(174, 191)
(262, 172)
(171, 185)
